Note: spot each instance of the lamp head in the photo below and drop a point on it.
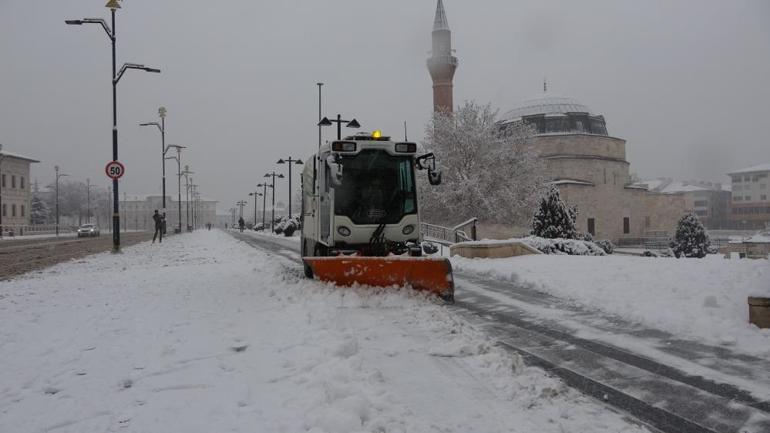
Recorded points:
(298, 162)
(281, 161)
(74, 22)
(353, 124)
(325, 122)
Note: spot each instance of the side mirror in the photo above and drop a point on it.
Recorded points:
(434, 177)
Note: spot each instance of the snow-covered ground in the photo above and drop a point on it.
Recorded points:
(206, 334)
(702, 299)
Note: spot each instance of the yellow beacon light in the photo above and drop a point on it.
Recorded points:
(377, 134)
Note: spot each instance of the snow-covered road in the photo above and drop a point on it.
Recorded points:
(206, 334)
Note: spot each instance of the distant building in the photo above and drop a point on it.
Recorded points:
(591, 171)
(710, 201)
(136, 211)
(750, 204)
(15, 189)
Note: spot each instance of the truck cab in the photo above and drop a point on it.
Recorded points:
(359, 195)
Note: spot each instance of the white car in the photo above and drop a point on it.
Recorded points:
(88, 230)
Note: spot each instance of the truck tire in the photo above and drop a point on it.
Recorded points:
(308, 271)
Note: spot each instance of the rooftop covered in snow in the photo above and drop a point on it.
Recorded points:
(752, 169)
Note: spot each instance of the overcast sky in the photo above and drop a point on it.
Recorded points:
(685, 82)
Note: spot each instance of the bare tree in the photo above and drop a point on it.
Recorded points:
(489, 171)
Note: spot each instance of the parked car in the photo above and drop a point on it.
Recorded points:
(88, 230)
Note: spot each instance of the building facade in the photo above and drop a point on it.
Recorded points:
(15, 189)
(136, 212)
(442, 63)
(710, 201)
(591, 171)
(750, 192)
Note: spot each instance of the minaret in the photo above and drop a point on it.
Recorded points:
(442, 64)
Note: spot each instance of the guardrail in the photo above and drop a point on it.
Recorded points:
(14, 230)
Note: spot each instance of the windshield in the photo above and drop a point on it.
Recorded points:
(376, 188)
(87, 226)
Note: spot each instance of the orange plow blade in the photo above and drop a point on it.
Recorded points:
(428, 274)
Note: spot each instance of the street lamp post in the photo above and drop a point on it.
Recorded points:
(113, 5)
(255, 194)
(186, 174)
(88, 199)
(178, 159)
(162, 127)
(273, 174)
(58, 176)
(264, 186)
(1, 191)
(290, 161)
(339, 121)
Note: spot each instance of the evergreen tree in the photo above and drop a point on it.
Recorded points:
(40, 210)
(553, 218)
(691, 239)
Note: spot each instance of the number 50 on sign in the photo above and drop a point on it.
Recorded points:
(114, 170)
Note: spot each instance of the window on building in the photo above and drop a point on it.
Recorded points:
(22, 183)
(13, 181)
(747, 198)
(737, 198)
(5, 209)
(591, 226)
(3, 181)
(647, 222)
(22, 210)
(701, 203)
(701, 213)
(13, 210)
(764, 197)
(736, 179)
(626, 225)
(747, 178)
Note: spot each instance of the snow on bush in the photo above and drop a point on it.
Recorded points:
(572, 247)
(691, 239)
(553, 218)
(606, 245)
(287, 226)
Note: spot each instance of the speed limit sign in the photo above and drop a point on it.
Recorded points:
(114, 170)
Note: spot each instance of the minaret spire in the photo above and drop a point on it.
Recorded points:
(440, 22)
(442, 63)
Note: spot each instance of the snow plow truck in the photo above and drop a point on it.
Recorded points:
(360, 216)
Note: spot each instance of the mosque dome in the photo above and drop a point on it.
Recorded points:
(556, 114)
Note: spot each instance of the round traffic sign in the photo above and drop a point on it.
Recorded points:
(114, 170)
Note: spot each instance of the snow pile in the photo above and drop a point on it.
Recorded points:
(205, 334)
(703, 299)
(572, 247)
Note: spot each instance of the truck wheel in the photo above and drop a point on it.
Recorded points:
(308, 271)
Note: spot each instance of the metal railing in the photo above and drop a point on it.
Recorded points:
(14, 230)
(449, 235)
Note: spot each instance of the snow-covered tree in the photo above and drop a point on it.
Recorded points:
(488, 172)
(553, 218)
(691, 239)
(39, 211)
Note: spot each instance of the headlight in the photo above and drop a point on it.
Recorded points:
(344, 231)
(408, 229)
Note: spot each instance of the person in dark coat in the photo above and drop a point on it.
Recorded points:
(241, 223)
(158, 226)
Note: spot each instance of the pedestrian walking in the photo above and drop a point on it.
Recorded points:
(241, 223)
(158, 226)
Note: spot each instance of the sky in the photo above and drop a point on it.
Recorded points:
(684, 82)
